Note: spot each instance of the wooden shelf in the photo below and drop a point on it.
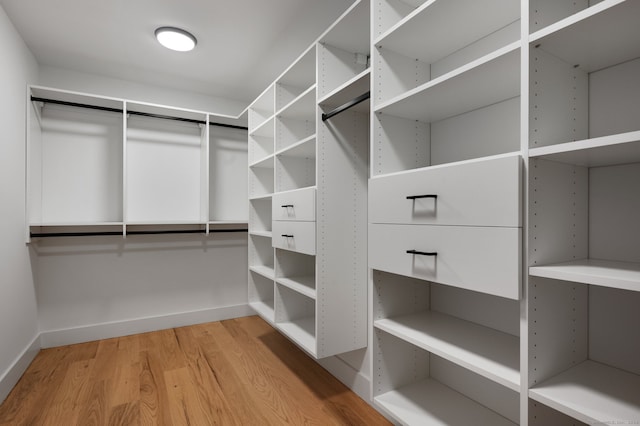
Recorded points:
(587, 38)
(302, 331)
(265, 129)
(439, 28)
(305, 285)
(488, 80)
(430, 402)
(605, 273)
(265, 271)
(485, 351)
(593, 393)
(623, 148)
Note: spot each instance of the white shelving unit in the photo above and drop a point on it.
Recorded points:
(584, 268)
(446, 167)
(434, 345)
(115, 166)
(307, 256)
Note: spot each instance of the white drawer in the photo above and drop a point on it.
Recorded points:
(295, 236)
(476, 193)
(295, 205)
(484, 259)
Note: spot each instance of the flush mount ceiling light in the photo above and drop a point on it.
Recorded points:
(175, 39)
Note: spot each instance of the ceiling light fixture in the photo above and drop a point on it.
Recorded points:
(175, 39)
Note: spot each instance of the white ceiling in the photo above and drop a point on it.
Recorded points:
(243, 45)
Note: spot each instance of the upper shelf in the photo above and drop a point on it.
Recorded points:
(611, 150)
(439, 28)
(350, 90)
(485, 81)
(603, 35)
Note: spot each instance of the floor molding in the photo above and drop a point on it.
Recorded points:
(92, 332)
(11, 376)
(350, 377)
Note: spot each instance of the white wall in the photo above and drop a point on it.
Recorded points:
(97, 287)
(106, 86)
(18, 316)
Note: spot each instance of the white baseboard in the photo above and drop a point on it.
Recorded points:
(350, 377)
(10, 377)
(93, 332)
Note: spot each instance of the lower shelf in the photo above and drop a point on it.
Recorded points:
(593, 393)
(485, 351)
(303, 285)
(302, 331)
(429, 402)
(264, 310)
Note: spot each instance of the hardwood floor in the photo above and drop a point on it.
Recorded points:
(234, 372)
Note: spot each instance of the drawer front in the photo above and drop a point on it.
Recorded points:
(478, 193)
(295, 236)
(295, 205)
(482, 259)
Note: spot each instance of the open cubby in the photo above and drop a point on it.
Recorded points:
(297, 121)
(584, 351)
(581, 87)
(296, 167)
(260, 216)
(404, 143)
(583, 223)
(543, 13)
(261, 178)
(344, 50)
(261, 256)
(260, 294)
(75, 164)
(440, 37)
(262, 108)
(390, 13)
(295, 316)
(297, 79)
(474, 330)
(261, 141)
(296, 271)
(413, 386)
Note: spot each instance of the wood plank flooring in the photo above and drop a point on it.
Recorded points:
(234, 372)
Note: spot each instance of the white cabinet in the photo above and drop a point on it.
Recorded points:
(99, 165)
(308, 177)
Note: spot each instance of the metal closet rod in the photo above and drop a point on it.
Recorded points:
(108, 233)
(143, 114)
(353, 102)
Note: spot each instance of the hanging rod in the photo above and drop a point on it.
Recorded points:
(142, 114)
(109, 233)
(353, 102)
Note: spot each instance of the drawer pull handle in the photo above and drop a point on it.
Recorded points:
(415, 197)
(423, 253)
(285, 206)
(287, 235)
